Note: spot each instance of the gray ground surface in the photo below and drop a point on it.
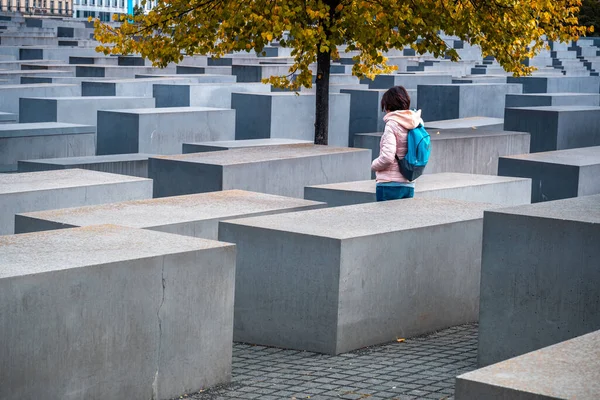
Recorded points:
(418, 368)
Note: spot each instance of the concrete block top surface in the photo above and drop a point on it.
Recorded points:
(557, 108)
(581, 209)
(59, 179)
(260, 154)
(370, 218)
(251, 143)
(464, 123)
(451, 134)
(427, 182)
(37, 85)
(43, 128)
(173, 210)
(169, 110)
(93, 159)
(579, 157)
(564, 94)
(40, 252)
(92, 98)
(567, 370)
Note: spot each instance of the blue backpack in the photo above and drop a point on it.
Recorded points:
(419, 147)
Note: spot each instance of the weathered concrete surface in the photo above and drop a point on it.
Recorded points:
(337, 279)
(487, 123)
(203, 94)
(567, 370)
(109, 312)
(558, 84)
(76, 110)
(44, 140)
(556, 128)
(10, 94)
(539, 276)
(279, 170)
(192, 215)
(557, 174)
(409, 80)
(236, 144)
(453, 186)
(125, 164)
(161, 130)
(37, 191)
(552, 99)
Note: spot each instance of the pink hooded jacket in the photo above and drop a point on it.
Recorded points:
(394, 141)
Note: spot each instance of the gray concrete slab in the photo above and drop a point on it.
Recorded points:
(280, 170)
(568, 370)
(409, 80)
(461, 150)
(337, 279)
(10, 94)
(48, 190)
(557, 127)
(288, 115)
(44, 140)
(557, 174)
(8, 118)
(125, 164)
(192, 215)
(442, 102)
(161, 130)
(203, 94)
(237, 144)
(453, 186)
(487, 123)
(552, 99)
(558, 84)
(104, 312)
(76, 110)
(539, 276)
(130, 87)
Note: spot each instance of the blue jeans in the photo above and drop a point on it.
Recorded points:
(393, 191)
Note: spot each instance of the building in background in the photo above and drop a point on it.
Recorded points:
(54, 8)
(105, 9)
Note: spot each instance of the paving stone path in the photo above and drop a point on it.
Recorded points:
(418, 368)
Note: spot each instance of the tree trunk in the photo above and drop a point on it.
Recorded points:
(322, 98)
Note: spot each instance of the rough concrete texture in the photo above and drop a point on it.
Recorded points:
(556, 128)
(44, 140)
(557, 174)
(539, 276)
(567, 370)
(76, 110)
(487, 123)
(558, 84)
(125, 164)
(337, 279)
(10, 94)
(280, 170)
(203, 94)
(454, 186)
(109, 312)
(442, 102)
(237, 144)
(192, 215)
(49, 190)
(552, 99)
(161, 130)
(288, 115)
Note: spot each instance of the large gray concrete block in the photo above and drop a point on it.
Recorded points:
(116, 71)
(128, 87)
(441, 102)
(539, 276)
(409, 80)
(552, 99)
(558, 174)
(8, 118)
(49, 190)
(290, 116)
(336, 279)
(556, 128)
(135, 164)
(195, 215)
(108, 312)
(558, 84)
(238, 144)
(567, 370)
(449, 185)
(161, 130)
(258, 72)
(203, 94)
(10, 94)
(44, 140)
(487, 123)
(76, 110)
(280, 170)
(462, 150)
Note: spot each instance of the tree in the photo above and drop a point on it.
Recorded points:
(589, 15)
(316, 30)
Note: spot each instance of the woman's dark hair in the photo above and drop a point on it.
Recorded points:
(395, 99)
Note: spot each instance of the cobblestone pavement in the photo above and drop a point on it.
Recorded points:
(418, 368)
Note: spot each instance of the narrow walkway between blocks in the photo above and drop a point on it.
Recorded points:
(418, 368)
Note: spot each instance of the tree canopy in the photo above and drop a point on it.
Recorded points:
(317, 30)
